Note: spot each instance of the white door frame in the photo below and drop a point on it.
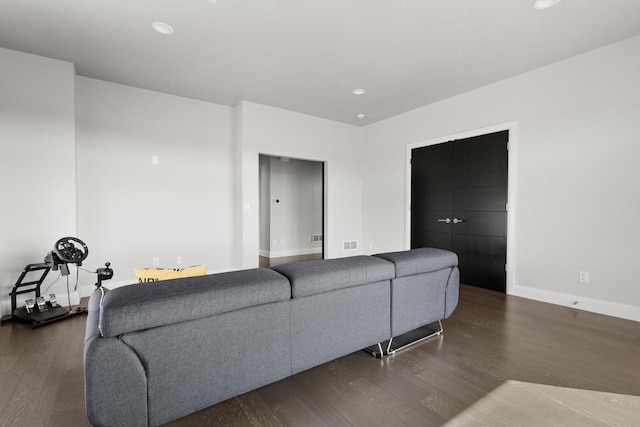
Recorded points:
(511, 177)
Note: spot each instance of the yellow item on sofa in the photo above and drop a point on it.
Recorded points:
(146, 275)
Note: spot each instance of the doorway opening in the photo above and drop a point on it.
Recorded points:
(459, 202)
(291, 210)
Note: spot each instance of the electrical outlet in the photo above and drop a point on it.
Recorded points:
(584, 277)
(179, 260)
(156, 262)
(155, 160)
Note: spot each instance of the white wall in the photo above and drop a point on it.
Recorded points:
(576, 168)
(297, 185)
(129, 210)
(575, 160)
(37, 164)
(276, 132)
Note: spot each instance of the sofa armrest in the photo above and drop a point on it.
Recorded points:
(452, 292)
(115, 384)
(93, 317)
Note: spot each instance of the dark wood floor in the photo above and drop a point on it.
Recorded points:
(492, 366)
(41, 375)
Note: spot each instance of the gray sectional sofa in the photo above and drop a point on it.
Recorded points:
(156, 352)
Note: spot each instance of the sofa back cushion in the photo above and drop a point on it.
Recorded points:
(142, 306)
(315, 277)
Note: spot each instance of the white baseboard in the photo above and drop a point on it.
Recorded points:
(64, 301)
(5, 308)
(292, 252)
(615, 309)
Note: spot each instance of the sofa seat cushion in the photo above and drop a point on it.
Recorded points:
(315, 277)
(144, 306)
(420, 260)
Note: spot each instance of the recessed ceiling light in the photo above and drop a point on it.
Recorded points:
(544, 4)
(358, 91)
(361, 116)
(162, 28)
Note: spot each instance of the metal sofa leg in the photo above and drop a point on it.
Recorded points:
(413, 337)
(377, 350)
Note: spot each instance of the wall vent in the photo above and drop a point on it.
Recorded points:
(349, 246)
(316, 238)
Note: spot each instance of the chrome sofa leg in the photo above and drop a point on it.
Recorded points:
(405, 340)
(376, 350)
(413, 337)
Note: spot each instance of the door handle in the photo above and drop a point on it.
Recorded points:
(458, 221)
(446, 220)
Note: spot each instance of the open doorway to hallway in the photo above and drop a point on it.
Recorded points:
(291, 210)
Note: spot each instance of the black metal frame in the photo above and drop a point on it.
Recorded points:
(19, 284)
(37, 317)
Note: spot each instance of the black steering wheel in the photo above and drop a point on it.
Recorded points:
(71, 250)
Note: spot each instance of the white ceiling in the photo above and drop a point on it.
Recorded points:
(307, 55)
